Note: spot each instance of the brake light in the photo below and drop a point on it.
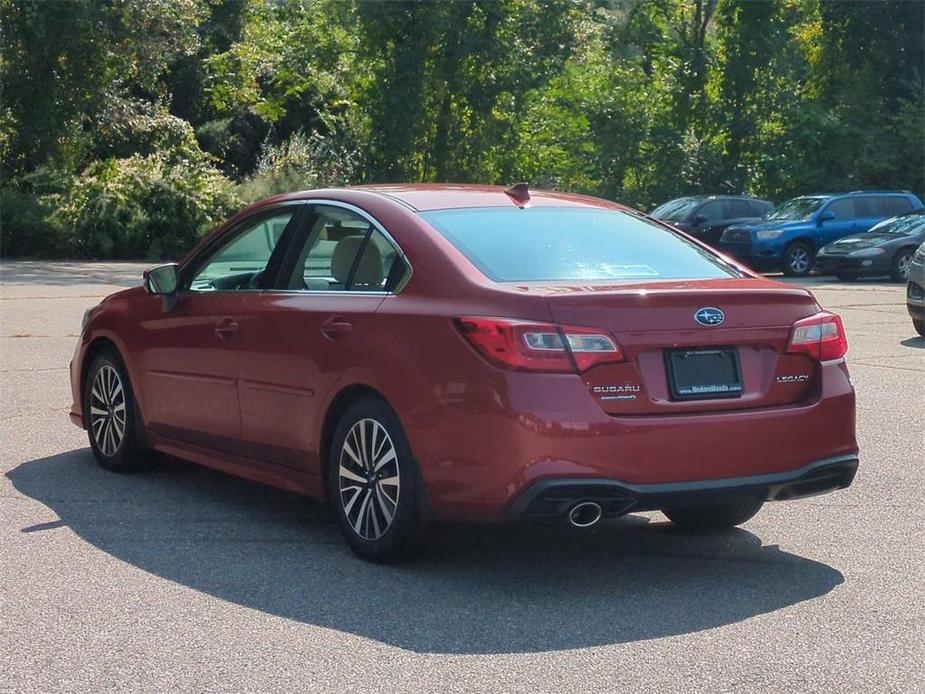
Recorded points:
(526, 346)
(821, 337)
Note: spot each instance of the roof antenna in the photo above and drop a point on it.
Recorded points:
(519, 193)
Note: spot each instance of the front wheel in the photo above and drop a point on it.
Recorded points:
(798, 259)
(109, 412)
(372, 482)
(902, 263)
(714, 517)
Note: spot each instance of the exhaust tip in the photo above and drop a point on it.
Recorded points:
(585, 514)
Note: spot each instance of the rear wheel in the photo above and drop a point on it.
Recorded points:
(109, 412)
(902, 263)
(714, 517)
(798, 259)
(372, 482)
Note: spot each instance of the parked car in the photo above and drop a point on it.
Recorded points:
(792, 234)
(468, 353)
(886, 249)
(706, 217)
(915, 290)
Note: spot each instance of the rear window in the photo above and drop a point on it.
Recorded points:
(551, 244)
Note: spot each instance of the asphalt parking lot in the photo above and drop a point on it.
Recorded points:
(185, 580)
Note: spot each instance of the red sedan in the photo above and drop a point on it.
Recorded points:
(437, 352)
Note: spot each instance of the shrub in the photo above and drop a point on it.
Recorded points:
(153, 206)
(26, 227)
(301, 162)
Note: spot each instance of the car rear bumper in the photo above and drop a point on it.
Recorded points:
(477, 460)
(552, 499)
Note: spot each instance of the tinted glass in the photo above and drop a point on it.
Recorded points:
(552, 244)
(328, 260)
(869, 207)
(843, 209)
(895, 204)
(712, 211)
(738, 208)
(796, 209)
(676, 210)
(236, 264)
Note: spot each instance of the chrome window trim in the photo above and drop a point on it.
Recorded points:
(382, 230)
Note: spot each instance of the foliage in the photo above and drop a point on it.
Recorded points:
(129, 126)
(142, 207)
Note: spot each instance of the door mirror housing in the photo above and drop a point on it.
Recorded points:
(826, 216)
(698, 219)
(162, 280)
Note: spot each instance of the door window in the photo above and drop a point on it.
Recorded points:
(737, 208)
(894, 205)
(842, 209)
(344, 251)
(869, 207)
(713, 211)
(241, 262)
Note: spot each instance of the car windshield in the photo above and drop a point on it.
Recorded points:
(675, 210)
(554, 244)
(901, 226)
(796, 209)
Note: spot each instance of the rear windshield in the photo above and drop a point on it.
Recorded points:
(551, 243)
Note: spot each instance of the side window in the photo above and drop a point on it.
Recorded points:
(344, 251)
(738, 208)
(842, 209)
(895, 204)
(869, 207)
(713, 211)
(240, 262)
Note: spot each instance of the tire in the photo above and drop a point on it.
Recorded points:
(798, 259)
(377, 503)
(899, 271)
(919, 326)
(714, 517)
(111, 418)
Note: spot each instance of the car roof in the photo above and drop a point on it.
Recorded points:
(441, 196)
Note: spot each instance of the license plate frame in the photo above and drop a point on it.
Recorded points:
(685, 384)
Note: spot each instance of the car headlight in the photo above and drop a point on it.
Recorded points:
(919, 256)
(768, 234)
(867, 253)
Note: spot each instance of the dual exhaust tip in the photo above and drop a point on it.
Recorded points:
(585, 514)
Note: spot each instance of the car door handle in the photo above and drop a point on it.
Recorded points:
(226, 327)
(336, 326)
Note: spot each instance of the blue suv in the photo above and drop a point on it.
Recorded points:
(789, 237)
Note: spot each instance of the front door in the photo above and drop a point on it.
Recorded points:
(190, 358)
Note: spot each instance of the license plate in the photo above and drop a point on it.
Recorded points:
(695, 374)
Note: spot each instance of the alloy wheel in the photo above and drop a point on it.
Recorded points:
(904, 265)
(799, 260)
(369, 481)
(107, 410)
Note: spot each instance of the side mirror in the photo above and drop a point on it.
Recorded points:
(826, 216)
(698, 219)
(163, 280)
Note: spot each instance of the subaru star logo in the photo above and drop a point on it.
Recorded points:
(709, 315)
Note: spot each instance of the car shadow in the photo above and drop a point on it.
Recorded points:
(501, 589)
(917, 342)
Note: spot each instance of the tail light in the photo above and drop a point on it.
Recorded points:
(526, 346)
(821, 337)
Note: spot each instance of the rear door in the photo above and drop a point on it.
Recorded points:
(191, 350)
(299, 338)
